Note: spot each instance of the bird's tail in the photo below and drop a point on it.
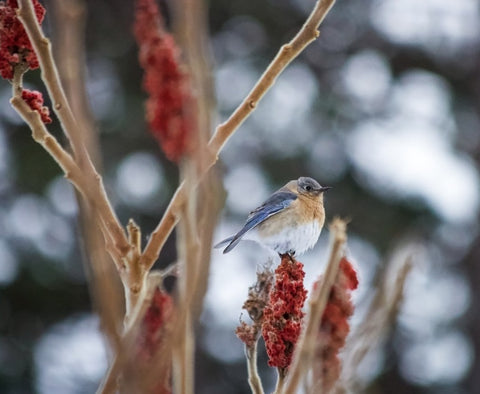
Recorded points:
(231, 242)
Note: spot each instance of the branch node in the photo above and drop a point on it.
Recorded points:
(135, 289)
(134, 236)
(47, 140)
(58, 106)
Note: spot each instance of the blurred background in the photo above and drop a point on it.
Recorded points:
(384, 107)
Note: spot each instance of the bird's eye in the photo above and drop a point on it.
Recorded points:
(308, 188)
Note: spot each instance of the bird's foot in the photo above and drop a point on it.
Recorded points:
(289, 253)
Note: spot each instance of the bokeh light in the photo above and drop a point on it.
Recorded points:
(71, 357)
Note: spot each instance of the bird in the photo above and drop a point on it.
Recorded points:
(288, 222)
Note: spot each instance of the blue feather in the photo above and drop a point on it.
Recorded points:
(278, 201)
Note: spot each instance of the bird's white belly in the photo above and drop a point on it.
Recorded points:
(291, 239)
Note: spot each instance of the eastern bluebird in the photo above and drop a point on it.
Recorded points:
(289, 221)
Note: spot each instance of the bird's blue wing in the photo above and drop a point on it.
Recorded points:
(276, 203)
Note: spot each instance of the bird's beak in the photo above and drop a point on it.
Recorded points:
(323, 189)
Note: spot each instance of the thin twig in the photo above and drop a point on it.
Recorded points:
(133, 275)
(134, 236)
(103, 282)
(307, 34)
(69, 50)
(258, 295)
(183, 341)
(41, 135)
(253, 377)
(188, 247)
(305, 346)
(62, 109)
(281, 375)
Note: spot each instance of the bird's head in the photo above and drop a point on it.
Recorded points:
(310, 187)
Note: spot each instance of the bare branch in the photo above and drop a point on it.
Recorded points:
(253, 377)
(96, 191)
(41, 135)
(104, 283)
(69, 50)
